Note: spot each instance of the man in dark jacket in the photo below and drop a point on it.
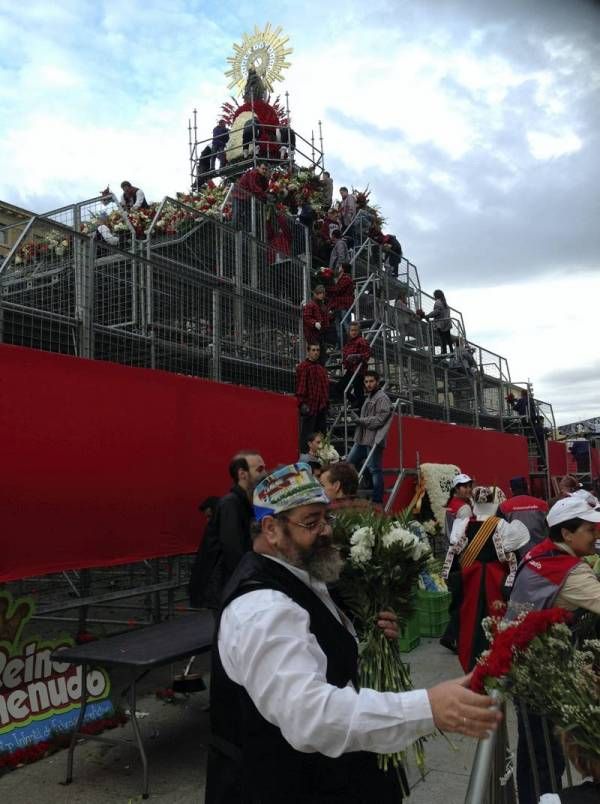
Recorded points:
(234, 514)
(227, 534)
(219, 141)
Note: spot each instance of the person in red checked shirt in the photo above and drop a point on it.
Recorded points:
(312, 393)
(315, 321)
(356, 354)
(341, 297)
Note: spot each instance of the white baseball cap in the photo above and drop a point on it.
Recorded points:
(571, 508)
(461, 480)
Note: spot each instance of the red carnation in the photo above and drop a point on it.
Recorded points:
(497, 663)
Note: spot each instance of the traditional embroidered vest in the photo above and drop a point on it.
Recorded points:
(249, 759)
(481, 542)
(539, 578)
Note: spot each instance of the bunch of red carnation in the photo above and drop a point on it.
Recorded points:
(326, 273)
(506, 642)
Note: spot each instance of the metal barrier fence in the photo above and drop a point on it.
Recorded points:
(534, 760)
(125, 595)
(229, 313)
(194, 294)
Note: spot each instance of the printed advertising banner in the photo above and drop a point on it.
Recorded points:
(39, 698)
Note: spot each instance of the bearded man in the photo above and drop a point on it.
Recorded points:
(289, 722)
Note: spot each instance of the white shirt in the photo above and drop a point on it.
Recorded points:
(107, 235)
(139, 200)
(514, 535)
(266, 646)
(550, 798)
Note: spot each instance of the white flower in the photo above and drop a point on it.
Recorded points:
(399, 535)
(430, 527)
(361, 550)
(420, 549)
(438, 483)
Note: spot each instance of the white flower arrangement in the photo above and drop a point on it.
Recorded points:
(385, 557)
(361, 546)
(328, 453)
(438, 484)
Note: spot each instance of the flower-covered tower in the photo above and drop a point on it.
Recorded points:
(253, 126)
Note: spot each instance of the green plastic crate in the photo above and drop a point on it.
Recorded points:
(409, 635)
(432, 612)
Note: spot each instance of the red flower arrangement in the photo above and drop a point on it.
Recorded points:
(326, 274)
(506, 642)
(420, 313)
(510, 398)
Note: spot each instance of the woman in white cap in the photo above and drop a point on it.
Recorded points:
(459, 506)
(551, 574)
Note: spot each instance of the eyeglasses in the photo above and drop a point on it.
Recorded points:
(313, 527)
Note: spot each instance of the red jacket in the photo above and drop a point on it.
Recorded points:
(314, 313)
(356, 346)
(312, 386)
(342, 293)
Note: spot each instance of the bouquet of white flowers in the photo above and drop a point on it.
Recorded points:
(384, 560)
(328, 453)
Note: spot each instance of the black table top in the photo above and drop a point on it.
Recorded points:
(147, 647)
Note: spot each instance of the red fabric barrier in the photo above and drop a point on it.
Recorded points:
(595, 459)
(104, 464)
(557, 458)
(490, 457)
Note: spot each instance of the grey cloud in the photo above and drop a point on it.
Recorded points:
(583, 375)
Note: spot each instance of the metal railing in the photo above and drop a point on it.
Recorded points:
(194, 296)
(229, 314)
(276, 145)
(493, 780)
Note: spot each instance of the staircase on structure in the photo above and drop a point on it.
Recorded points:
(213, 302)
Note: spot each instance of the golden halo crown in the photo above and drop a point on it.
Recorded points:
(266, 51)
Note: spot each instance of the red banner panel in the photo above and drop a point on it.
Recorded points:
(104, 464)
(490, 457)
(557, 458)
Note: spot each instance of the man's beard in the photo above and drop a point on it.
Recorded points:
(322, 560)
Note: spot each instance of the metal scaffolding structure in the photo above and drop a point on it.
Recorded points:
(218, 300)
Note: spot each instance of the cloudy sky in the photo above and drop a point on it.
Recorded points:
(475, 125)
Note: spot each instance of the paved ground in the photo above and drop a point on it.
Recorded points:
(176, 737)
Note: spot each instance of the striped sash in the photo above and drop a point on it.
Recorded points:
(476, 544)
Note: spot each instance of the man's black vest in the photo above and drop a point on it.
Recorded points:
(586, 793)
(250, 762)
